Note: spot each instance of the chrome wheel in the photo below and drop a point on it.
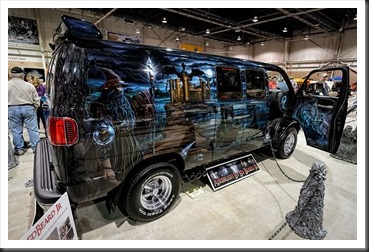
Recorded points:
(289, 144)
(156, 192)
(151, 192)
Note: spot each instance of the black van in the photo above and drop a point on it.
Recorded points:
(130, 122)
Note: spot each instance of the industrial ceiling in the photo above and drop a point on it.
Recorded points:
(242, 25)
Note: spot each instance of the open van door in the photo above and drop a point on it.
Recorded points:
(320, 107)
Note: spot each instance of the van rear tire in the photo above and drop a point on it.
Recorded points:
(150, 193)
(287, 145)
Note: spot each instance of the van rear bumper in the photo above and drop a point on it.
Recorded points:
(44, 175)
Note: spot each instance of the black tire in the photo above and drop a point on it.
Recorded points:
(150, 193)
(278, 103)
(287, 145)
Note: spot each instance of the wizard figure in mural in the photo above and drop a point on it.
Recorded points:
(113, 134)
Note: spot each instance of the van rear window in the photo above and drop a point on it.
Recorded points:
(229, 83)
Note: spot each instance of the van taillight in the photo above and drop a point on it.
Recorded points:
(62, 131)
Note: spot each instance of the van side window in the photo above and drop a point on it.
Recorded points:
(319, 83)
(255, 84)
(229, 83)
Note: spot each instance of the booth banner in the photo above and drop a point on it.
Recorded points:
(56, 224)
(190, 47)
(229, 172)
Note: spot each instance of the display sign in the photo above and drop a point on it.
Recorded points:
(229, 172)
(56, 224)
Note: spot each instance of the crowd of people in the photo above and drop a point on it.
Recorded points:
(26, 107)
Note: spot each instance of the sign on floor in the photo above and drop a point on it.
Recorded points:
(56, 224)
(229, 172)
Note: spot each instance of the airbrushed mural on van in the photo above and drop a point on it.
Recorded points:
(131, 122)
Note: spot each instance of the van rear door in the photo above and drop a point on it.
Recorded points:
(321, 108)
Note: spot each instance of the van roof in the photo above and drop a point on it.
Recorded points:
(86, 34)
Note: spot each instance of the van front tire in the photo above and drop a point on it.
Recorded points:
(150, 193)
(287, 144)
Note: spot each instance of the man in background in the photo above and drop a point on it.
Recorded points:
(294, 84)
(326, 88)
(23, 101)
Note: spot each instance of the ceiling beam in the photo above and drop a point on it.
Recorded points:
(261, 21)
(218, 22)
(105, 16)
(302, 19)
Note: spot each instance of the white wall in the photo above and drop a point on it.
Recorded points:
(271, 52)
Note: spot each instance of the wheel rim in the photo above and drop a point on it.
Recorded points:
(155, 192)
(284, 102)
(289, 144)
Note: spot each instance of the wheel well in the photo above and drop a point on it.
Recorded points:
(172, 158)
(282, 133)
(279, 127)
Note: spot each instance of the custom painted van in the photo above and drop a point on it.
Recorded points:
(132, 122)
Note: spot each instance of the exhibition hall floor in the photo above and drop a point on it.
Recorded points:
(253, 208)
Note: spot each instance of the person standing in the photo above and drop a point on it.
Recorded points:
(23, 101)
(41, 89)
(326, 89)
(294, 84)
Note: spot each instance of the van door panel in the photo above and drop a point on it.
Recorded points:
(322, 117)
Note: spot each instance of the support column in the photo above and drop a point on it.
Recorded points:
(40, 39)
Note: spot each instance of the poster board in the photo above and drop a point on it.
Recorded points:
(56, 224)
(226, 173)
(22, 30)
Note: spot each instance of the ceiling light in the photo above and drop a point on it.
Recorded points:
(255, 19)
(340, 29)
(285, 29)
(355, 18)
(262, 44)
(182, 29)
(164, 20)
(306, 37)
(177, 38)
(137, 30)
(206, 43)
(149, 26)
(238, 38)
(207, 31)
